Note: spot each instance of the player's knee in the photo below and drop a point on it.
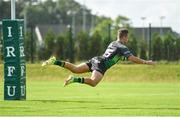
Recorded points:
(93, 83)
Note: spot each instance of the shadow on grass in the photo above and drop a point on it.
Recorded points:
(64, 101)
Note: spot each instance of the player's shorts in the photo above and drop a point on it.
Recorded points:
(97, 63)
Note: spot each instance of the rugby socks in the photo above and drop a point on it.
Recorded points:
(59, 63)
(77, 79)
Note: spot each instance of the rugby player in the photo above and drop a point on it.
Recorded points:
(100, 64)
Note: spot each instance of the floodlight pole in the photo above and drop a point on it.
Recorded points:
(161, 27)
(13, 9)
(143, 29)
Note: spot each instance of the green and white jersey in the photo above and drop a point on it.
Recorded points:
(114, 53)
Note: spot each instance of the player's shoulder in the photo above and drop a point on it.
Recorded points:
(120, 45)
(117, 45)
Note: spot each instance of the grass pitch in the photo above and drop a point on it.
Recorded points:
(141, 95)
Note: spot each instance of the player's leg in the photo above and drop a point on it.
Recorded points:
(81, 68)
(95, 78)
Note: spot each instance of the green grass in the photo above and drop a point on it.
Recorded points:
(126, 90)
(118, 73)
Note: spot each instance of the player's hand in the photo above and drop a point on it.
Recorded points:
(150, 62)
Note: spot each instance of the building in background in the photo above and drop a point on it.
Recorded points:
(143, 32)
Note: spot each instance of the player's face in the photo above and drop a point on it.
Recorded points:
(125, 39)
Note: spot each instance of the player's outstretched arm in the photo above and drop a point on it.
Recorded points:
(140, 61)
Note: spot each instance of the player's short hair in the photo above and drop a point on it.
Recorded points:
(122, 32)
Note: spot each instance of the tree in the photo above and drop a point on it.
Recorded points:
(95, 45)
(120, 21)
(5, 10)
(132, 44)
(1, 47)
(177, 48)
(107, 40)
(169, 47)
(66, 8)
(82, 46)
(157, 47)
(49, 43)
(61, 45)
(103, 28)
(143, 49)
